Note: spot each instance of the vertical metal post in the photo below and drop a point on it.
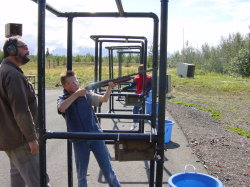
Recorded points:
(100, 71)
(96, 60)
(69, 43)
(141, 122)
(112, 76)
(70, 167)
(162, 93)
(119, 64)
(109, 63)
(155, 70)
(112, 64)
(141, 55)
(96, 63)
(145, 68)
(100, 61)
(41, 89)
(69, 67)
(145, 51)
(110, 98)
(152, 173)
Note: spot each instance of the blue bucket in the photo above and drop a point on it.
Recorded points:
(193, 180)
(149, 98)
(168, 130)
(149, 107)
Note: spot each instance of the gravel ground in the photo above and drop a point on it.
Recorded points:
(225, 154)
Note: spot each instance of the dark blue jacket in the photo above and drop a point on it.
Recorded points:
(80, 116)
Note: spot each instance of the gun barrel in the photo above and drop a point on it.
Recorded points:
(118, 80)
(105, 83)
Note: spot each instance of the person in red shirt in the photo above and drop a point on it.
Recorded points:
(138, 83)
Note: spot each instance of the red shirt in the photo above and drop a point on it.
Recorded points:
(139, 82)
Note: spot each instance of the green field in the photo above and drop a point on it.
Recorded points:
(84, 72)
(226, 98)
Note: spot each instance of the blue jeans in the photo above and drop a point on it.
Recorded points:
(82, 152)
(136, 110)
(24, 168)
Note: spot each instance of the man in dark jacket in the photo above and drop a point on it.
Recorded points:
(18, 106)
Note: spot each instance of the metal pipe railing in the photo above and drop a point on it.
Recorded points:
(162, 90)
(120, 7)
(41, 80)
(41, 88)
(99, 136)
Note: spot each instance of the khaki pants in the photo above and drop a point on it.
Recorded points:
(24, 168)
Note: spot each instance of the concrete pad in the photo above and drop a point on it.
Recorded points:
(131, 174)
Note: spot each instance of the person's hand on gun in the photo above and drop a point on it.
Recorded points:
(81, 92)
(120, 90)
(111, 84)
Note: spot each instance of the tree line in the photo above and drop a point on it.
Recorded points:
(231, 56)
(59, 60)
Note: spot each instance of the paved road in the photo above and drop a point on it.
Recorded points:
(130, 174)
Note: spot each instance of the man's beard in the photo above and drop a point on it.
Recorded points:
(25, 58)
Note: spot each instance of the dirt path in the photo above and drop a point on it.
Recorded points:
(225, 154)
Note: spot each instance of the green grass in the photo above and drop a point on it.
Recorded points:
(214, 114)
(183, 103)
(240, 131)
(211, 83)
(84, 72)
(226, 98)
(204, 108)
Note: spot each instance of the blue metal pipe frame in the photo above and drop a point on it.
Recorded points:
(41, 78)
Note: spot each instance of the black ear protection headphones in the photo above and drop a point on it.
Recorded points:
(12, 47)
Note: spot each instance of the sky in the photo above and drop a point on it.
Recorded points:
(195, 21)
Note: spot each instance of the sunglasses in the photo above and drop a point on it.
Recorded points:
(25, 47)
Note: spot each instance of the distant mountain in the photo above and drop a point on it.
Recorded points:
(83, 51)
(79, 51)
(60, 51)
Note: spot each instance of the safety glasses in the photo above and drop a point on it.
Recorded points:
(24, 47)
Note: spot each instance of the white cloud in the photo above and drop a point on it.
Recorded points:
(207, 22)
(83, 6)
(202, 21)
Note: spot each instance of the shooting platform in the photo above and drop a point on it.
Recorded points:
(159, 68)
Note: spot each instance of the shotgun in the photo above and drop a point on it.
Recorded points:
(117, 80)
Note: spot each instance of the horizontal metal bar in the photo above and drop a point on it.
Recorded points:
(123, 47)
(111, 14)
(121, 131)
(125, 110)
(129, 51)
(120, 41)
(117, 37)
(124, 116)
(126, 94)
(51, 9)
(109, 142)
(101, 14)
(99, 136)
